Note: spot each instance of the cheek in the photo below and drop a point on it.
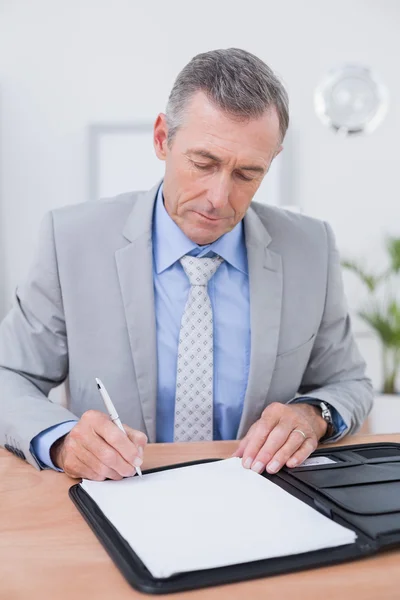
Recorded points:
(183, 187)
(241, 199)
(191, 191)
(189, 196)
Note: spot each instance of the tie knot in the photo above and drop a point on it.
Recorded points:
(200, 270)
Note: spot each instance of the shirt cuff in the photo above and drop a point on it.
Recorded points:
(42, 442)
(339, 425)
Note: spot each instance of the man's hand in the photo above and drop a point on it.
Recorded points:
(273, 441)
(97, 449)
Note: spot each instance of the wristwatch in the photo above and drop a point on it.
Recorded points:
(327, 416)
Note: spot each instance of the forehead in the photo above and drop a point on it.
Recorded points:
(207, 125)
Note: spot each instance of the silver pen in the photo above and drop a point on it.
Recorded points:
(112, 411)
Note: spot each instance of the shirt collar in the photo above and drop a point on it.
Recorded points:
(170, 243)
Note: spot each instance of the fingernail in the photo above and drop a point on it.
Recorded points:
(140, 451)
(138, 461)
(292, 463)
(248, 462)
(257, 467)
(273, 467)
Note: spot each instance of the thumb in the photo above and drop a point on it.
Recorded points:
(137, 437)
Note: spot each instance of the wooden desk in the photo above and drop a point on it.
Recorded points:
(48, 552)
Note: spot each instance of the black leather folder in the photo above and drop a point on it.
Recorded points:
(360, 490)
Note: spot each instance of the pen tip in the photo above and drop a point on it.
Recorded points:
(98, 382)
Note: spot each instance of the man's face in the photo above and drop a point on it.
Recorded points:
(214, 167)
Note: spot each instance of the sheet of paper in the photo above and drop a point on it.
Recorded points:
(211, 515)
(317, 460)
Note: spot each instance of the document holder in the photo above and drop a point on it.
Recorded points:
(358, 488)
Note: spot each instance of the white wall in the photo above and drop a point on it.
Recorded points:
(64, 65)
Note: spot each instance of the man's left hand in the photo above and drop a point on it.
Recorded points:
(284, 435)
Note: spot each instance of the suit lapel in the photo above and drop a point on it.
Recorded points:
(265, 281)
(135, 272)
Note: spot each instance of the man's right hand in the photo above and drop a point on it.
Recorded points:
(97, 449)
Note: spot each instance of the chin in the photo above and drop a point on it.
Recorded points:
(201, 237)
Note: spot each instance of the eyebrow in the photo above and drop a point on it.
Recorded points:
(210, 156)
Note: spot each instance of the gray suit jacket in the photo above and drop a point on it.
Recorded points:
(87, 310)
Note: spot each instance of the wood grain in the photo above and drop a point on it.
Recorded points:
(48, 552)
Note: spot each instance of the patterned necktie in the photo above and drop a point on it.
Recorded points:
(194, 380)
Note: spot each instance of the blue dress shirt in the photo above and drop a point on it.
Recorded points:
(229, 294)
(42, 443)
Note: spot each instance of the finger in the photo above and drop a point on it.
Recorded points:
(304, 452)
(243, 443)
(75, 468)
(101, 470)
(108, 455)
(120, 442)
(276, 439)
(78, 470)
(239, 451)
(77, 452)
(138, 438)
(293, 443)
(260, 434)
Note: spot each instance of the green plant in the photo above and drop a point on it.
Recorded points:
(383, 310)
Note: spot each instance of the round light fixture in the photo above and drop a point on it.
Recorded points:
(351, 100)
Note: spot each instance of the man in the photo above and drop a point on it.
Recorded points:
(206, 317)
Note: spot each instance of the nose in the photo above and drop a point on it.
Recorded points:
(218, 192)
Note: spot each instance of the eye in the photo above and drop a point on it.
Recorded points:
(243, 177)
(201, 167)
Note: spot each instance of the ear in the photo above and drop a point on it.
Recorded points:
(160, 136)
(278, 151)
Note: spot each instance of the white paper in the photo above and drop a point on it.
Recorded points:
(211, 515)
(317, 460)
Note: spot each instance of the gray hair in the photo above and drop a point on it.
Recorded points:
(236, 81)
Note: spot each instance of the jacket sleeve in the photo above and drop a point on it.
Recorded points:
(33, 353)
(336, 371)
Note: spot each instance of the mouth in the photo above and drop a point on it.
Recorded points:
(209, 219)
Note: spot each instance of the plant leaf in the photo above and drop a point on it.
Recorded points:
(386, 322)
(370, 280)
(393, 248)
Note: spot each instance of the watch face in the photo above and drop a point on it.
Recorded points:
(326, 413)
(351, 100)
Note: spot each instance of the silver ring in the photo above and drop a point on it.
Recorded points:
(300, 431)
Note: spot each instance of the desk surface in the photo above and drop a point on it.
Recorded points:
(48, 551)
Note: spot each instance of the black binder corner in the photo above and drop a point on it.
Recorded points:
(360, 490)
